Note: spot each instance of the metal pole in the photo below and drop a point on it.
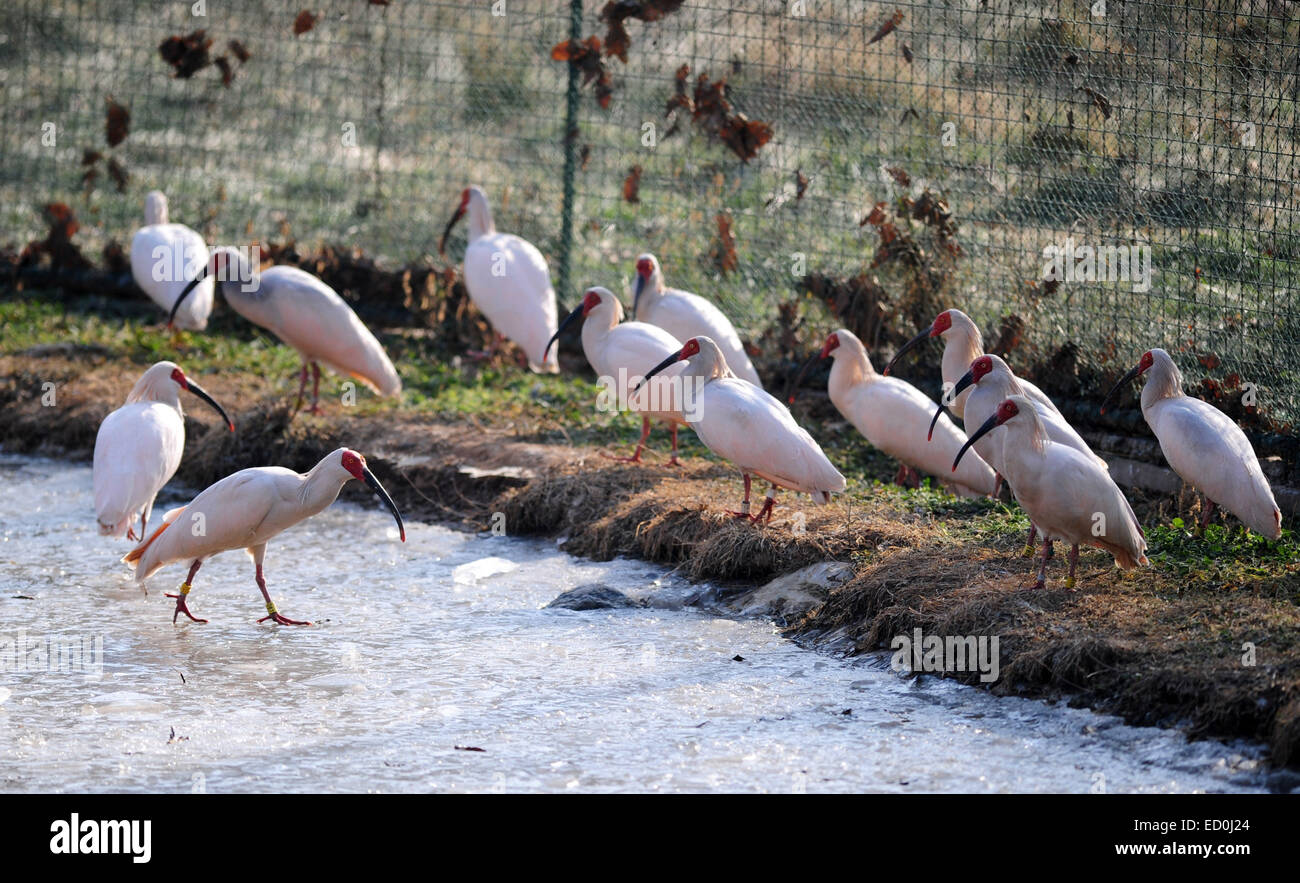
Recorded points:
(570, 159)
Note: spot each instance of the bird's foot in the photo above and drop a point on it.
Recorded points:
(275, 616)
(130, 535)
(635, 458)
(180, 604)
(1037, 584)
(315, 409)
(673, 461)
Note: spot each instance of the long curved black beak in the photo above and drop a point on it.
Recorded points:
(959, 387)
(203, 394)
(1127, 378)
(574, 314)
(984, 430)
(907, 346)
(374, 485)
(798, 378)
(185, 292)
(442, 243)
(675, 357)
(636, 297)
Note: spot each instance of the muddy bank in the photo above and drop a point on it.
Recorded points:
(1152, 647)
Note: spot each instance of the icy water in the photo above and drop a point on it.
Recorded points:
(424, 650)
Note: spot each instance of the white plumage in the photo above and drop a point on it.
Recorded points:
(741, 423)
(508, 280)
(244, 511)
(1205, 447)
(138, 449)
(164, 257)
(1067, 495)
(685, 315)
(894, 415)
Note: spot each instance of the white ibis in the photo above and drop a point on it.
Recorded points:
(508, 280)
(892, 414)
(740, 422)
(307, 315)
(618, 352)
(164, 257)
(962, 343)
(1204, 446)
(685, 315)
(1067, 494)
(139, 447)
(244, 511)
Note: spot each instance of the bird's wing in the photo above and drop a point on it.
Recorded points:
(175, 253)
(508, 280)
(310, 316)
(137, 450)
(742, 423)
(685, 315)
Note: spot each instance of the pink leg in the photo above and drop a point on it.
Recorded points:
(744, 506)
(997, 484)
(185, 590)
(1207, 512)
(271, 613)
(315, 389)
(1041, 582)
(636, 458)
(674, 461)
(1074, 560)
(1029, 543)
(302, 387)
(765, 514)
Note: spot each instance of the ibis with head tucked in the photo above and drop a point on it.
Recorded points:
(164, 258)
(246, 510)
(508, 280)
(138, 448)
(892, 415)
(307, 315)
(618, 352)
(685, 315)
(1204, 446)
(740, 422)
(962, 342)
(1065, 493)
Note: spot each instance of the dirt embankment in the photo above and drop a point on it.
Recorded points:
(1142, 646)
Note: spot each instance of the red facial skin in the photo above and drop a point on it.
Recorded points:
(981, 366)
(179, 376)
(692, 348)
(644, 268)
(942, 323)
(590, 302)
(1006, 411)
(832, 343)
(1146, 362)
(464, 200)
(355, 464)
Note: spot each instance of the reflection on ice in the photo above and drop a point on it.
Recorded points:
(425, 649)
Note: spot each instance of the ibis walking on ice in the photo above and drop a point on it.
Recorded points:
(245, 510)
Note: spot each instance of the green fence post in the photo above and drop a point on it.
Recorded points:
(570, 159)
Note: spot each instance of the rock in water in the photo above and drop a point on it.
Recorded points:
(593, 596)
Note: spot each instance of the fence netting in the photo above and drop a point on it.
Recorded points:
(817, 162)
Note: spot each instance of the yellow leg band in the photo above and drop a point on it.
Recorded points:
(270, 608)
(185, 589)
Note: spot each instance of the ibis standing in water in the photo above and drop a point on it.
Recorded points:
(1204, 446)
(740, 422)
(139, 446)
(1066, 493)
(244, 511)
(618, 352)
(307, 315)
(685, 315)
(962, 342)
(891, 414)
(508, 280)
(164, 257)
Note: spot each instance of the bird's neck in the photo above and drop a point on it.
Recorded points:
(165, 392)
(960, 349)
(480, 221)
(850, 369)
(1161, 384)
(320, 487)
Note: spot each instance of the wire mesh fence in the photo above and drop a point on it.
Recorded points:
(825, 162)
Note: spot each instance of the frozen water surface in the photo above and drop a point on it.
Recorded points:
(421, 651)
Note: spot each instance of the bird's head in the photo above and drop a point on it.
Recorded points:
(591, 299)
(941, 324)
(355, 465)
(163, 382)
(1006, 410)
(647, 267)
(462, 208)
(690, 349)
(1144, 364)
(831, 345)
